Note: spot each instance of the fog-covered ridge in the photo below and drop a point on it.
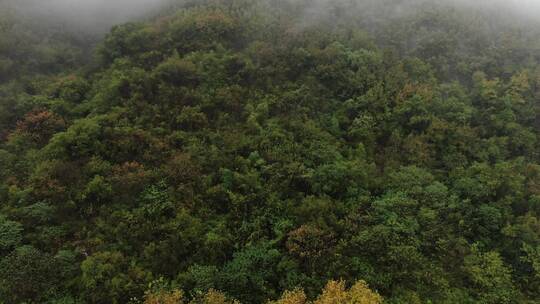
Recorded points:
(101, 14)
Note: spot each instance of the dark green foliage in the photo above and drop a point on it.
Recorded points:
(10, 234)
(245, 147)
(28, 274)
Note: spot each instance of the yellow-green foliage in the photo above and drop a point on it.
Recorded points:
(296, 296)
(164, 297)
(177, 297)
(335, 292)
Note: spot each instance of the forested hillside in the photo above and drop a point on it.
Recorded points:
(283, 151)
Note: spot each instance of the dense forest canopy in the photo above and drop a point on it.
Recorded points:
(270, 151)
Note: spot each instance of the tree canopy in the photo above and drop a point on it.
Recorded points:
(265, 151)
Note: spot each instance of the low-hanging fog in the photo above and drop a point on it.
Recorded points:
(100, 15)
(91, 15)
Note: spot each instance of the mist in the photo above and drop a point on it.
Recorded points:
(529, 9)
(86, 15)
(99, 15)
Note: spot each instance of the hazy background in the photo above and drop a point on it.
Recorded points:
(95, 15)
(100, 15)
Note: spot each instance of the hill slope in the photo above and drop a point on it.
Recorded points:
(254, 147)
